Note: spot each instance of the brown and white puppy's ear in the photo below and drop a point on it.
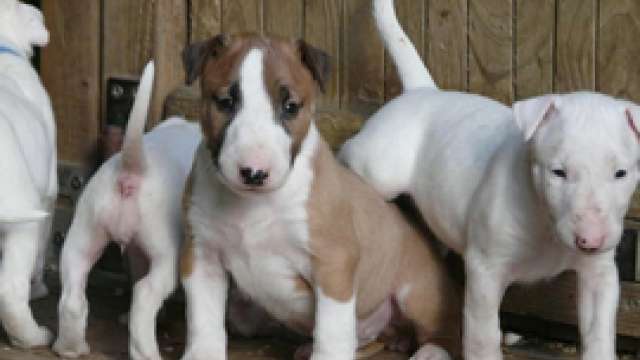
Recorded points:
(195, 55)
(632, 113)
(316, 61)
(532, 113)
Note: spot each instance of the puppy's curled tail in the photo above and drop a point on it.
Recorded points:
(413, 73)
(133, 160)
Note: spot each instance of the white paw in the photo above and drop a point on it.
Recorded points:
(138, 355)
(139, 352)
(41, 337)
(201, 354)
(598, 355)
(316, 356)
(431, 352)
(71, 350)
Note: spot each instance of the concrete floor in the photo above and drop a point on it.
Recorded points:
(108, 338)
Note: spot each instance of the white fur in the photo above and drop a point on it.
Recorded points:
(410, 68)
(169, 150)
(22, 27)
(335, 331)
(485, 185)
(28, 186)
(261, 240)
(149, 219)
(254, 139)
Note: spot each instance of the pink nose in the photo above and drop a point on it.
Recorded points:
(589, 243)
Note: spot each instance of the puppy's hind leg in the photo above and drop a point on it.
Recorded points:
(161, 245)
(431, 302)
(84, 245)
(38, 286)
(19, 253)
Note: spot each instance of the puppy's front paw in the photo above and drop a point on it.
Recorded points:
(325, 356)
(41, 337)
(205, 354)
(71, 350)
(596, 354)
(431, 352)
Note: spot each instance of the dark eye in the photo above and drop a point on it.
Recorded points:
(621, 174)
(225, 103)
(290, 107)
(559, 173)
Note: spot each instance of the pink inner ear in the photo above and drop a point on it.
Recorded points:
(632, 125)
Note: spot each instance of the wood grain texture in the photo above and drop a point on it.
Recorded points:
(284, 18)
(490, 43)
(127, 40)
(70, 70)
(322, 29)
(363, 71)
(575, 48)
(634, 207)
(535, 29)
(619, 48)
(556, 301)
(170, 37)
(206, 19)
(447, 45)
(411, 14)
(242, 16)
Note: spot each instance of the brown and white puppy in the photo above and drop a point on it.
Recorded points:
(304, 237)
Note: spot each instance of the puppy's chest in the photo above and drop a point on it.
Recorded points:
(265, 247)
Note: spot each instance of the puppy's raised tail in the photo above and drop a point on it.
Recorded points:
(413, 73)
(133, 160)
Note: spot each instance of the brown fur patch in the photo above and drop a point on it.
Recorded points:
(285, 75)
(335, 251)
(360, 242)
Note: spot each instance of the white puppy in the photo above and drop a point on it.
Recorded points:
(28, 185)
(134, 200)
(522, 194)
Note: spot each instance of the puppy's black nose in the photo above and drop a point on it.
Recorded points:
(253, 177)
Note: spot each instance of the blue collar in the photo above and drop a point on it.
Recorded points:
(7, 50)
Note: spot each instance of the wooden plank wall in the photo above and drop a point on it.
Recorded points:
(505, 49)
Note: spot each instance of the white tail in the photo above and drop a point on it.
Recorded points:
(413, 73)
(18, 216)
(133, 160)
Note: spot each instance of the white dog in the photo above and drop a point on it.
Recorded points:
(134, 200)
(522, 194)
(28, 185)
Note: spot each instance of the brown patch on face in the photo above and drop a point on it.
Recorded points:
(290, 83)
(293, 71)
(186, 252)
(219, 75)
